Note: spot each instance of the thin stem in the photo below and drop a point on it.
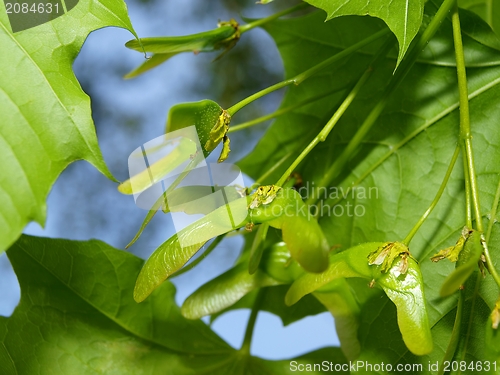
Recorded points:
(398, 76)
(468, 201)
(493, 214)
(455, 334)
(282, 111)
(195, 262)
(262, 21)
(277, 165)
(63, 3)
(271, 170)
(465, 134)
(235, 108)
(491, 267)
(338, 113)
(465, 130)
(247, 340)
(257, 248)
(433, 204)
(298, 79)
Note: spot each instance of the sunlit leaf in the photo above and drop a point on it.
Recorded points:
(403, 17)
(44, 110)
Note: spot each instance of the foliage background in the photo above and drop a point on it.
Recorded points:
(85, 204)
(426, 104)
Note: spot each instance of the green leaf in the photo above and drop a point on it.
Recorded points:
(91, 278)
(44, 110)
(403, 17)
(77, 316)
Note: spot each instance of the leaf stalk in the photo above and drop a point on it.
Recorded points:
(338, 113)
(247, 340)
(465, 133)
(298, 79)
(433, 204)
(262, 21)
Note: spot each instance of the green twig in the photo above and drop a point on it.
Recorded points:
(399, 75)
(323, 134)
(466, 136)
(433, 204)
(465, 130)
(262, 21)
(298, 79)
(247, 340)
(275, 166)
(493, 214)
(282, 111)
(468, 201)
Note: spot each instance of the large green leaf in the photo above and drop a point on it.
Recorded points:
(101, 278)
(77, 316)
(398, 168)
(46, 121)
(403, 17)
